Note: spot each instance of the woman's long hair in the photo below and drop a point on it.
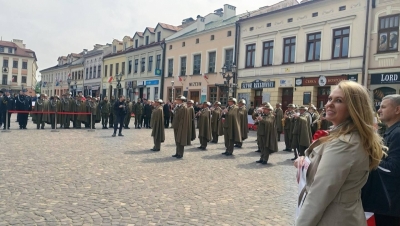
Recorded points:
(361, 120)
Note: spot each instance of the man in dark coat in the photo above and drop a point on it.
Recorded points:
(181, 125)
(112, 113)
(389, 168)
(167, 115)
(1, 107)
(232, 132)
(23, 103)
(215, 121)
(105, 112)
(204, 124)
(8, 104)
(120, 112)
(147, 114)
(157, 125)
(288, 115)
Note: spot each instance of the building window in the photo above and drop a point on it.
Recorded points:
(388, 33)
(251, 28)
(170, 46)
(342, 8)
(211, 62)
(148, 93)
(229, 33)
(196, 64)
(268, 53)
(150, 66)
(123, 68)
(315, 14)
(94, 71)
(212, 37)
(5, 63)
(183, 44)
(313, 47)
(155, 93)
(1, 49)
(197, 41)
(213, 91)
(159, 36)
(250, 55)
(4, 80)
(143, 65)
(15, 64)
(10, 50)
(24, 65)
(90, 74)
(170, 67)
(99, 71)
(158, 63)
(136, 43)
(268, 24)
(290, 20)
(130, 67)
(111, 70)
(289, 50)
(147, 40)
(183, 66)
(228, 59)
(87, 73)
(105, 71)
(23, 79)
(341, 43)
(14, 78)
(114, 49)
(125, 45)
(136, 65)
(116, 68)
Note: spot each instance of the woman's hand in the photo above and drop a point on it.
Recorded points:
(299, 162)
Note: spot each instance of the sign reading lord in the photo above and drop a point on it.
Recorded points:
(385, 78)
(258, 84)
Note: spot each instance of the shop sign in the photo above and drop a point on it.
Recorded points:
(321, 81)
(152, 82)
(385, 78)
(194, 83)
(380, 93)
(285, 83)
(258, 84)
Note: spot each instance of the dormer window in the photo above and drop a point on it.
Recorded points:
(159, 36)
(1, 49)
(10, 50)
(147, 40)
(136, 43)
(125, 45)
(114, 49)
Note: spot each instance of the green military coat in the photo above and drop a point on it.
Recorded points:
(231, 124)
(204, 124)
(243, 122)
(278, 120)
(157, 124)
(215, 119)
(192, 127)
(181, 125)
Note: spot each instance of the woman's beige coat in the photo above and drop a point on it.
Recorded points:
(338, 171)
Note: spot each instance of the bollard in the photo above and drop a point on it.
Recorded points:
(55, 122)
(91, 123)
(6, 129)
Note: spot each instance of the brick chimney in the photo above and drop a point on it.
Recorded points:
(229, 11)
(201, 25)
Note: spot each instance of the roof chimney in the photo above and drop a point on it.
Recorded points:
(201, 25)
(229, 11)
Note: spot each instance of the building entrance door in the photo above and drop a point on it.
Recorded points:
(110, 92)
(257, 98)
(287, 98)
(195, 96)
(322, 97)
(141, 93)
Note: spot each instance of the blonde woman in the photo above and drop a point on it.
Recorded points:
(339, 163)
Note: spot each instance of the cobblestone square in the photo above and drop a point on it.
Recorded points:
(76, 177)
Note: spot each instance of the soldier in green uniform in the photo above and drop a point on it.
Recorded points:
(204, 123)
(278, 113)
(91, 108)
(138, 111)
(288, 115)
(266, 134)
(181, 125)
(315, 117)
(192, 117)
(301, 134)
(66, 107)
(75, 108)
(157, 125)
(38, 118)
(129, 109)
(112, 113)
(243, 122)
(53, 109)
(82, 118)
(215, 121)
(105, 112)
(232, 132)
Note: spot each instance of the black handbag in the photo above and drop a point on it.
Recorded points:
(374, 195)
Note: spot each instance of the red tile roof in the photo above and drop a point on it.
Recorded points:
(19, 51)
(150, 29)
(170, 27)
(139, 33)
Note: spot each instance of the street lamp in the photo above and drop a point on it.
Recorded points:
(173, 88)
(69, 83)
(119, 78)
(228, 76)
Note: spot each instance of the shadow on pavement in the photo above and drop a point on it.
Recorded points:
(161, 160)
(106, 137)
(248, 154)
(287, 162)
(143, 152)
(218, 157)
(254, 165)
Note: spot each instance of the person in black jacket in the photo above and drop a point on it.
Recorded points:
(147, 114)
(167, 115)
(1, 107)
(120, 112)
(387, 214)
(23, 103)
(8, 104)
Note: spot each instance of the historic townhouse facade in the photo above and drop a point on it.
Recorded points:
(384, 60)
(144, 62)
(93, 66)
(196, 54)
(18, 67)
(295, 53)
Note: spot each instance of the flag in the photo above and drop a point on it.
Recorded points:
(205, 77)
(370, 219)
(110, 79)
(180, 78)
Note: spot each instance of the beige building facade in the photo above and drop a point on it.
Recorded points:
(18, 67)
(384, 60)
(295, 53)
(196, 54)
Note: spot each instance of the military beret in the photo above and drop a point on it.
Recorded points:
(232, 99)
(217, 102)
(242, 101)
(180, 97)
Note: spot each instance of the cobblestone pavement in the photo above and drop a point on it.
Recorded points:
(76, 177)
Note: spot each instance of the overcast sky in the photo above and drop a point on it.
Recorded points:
(53, 28)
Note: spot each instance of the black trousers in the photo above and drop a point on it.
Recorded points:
(383, 220)
(119, 120)
(147, 121)
(112, 120)
(22, 119)
(4, 117)
(166, 121)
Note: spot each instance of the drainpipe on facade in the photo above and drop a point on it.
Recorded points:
(367, 40)
(237, 42)
(161, 93)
